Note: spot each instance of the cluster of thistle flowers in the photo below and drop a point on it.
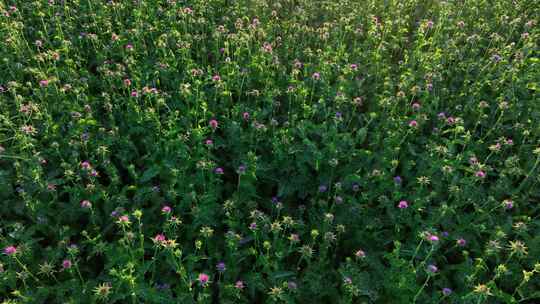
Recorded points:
(248, 60)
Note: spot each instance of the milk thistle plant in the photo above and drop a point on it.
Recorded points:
(217, 151)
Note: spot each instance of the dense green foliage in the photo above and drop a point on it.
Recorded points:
(288, 151)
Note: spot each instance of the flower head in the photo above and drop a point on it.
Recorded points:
(508, 204)
(446, 291)
(66, 264)
(10, 250)
(239, 285)
(166, 209)
(403, 205)
(203, 279)
(432, 268)
(360, 254)
(221, 267)
(86, 204)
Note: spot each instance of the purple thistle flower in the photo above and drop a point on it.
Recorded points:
(508, 204)
(432, 268)
(446, 291)
(221, 267)
(291, 285)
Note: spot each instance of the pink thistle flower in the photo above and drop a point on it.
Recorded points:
(43, 83)
(134, 93)
(203, 279)
(316, 76)
(166, 209)
(213, 124)
(403, 205)
(124, 219)
(28, 129)
(239, 285)
(129, 47)
(245, 115)
(416, 106)
(432, 238)
(86, 165)
(480, 174)
(66, 264)
(10, 250)
(209, 142)
(461, 242)
(354, 67)
(219, 170)
(160, 238)
(413, 124)
(127, 82)
(216, 78)
(86, 204)
(360, 254)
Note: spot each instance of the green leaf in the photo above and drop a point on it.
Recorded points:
(149, 174)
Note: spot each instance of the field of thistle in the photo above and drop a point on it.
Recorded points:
(286, 151)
